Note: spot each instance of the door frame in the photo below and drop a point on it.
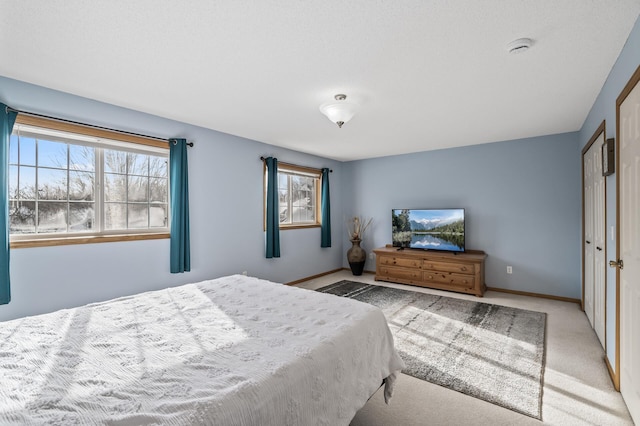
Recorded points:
(631, 84)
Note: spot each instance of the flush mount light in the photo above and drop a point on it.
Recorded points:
(339, 111)
(519, 45)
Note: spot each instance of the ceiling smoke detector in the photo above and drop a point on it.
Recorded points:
(519, 45)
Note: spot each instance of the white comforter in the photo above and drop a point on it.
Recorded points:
(230, 351)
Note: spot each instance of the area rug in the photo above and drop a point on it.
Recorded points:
(491, 352)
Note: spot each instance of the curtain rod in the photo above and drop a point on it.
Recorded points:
(8, 108)
(289, 164)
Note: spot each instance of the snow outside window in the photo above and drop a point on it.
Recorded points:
(63, 184)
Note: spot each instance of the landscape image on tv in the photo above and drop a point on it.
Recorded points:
(428, 229)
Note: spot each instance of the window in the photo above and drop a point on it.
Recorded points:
(69, 181)
(298, 196)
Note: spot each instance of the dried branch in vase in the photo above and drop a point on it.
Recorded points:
(356, 227)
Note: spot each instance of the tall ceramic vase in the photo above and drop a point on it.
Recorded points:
(356, 257)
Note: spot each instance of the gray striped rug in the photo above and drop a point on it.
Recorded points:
(490, 352)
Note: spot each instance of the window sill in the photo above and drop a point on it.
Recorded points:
(286, 227)
(63, 241)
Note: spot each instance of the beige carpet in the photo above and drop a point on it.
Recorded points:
(577, 388)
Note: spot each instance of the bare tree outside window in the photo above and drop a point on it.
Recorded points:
(136, 188)
(297, 197)
(41, 193)
(53, 187)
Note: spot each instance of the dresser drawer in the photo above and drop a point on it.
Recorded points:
(459, 268)
(458, 280)
(402, 273)
(400, 261)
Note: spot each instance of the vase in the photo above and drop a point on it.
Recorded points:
(356, 256)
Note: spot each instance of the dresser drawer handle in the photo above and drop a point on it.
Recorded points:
(464, 268)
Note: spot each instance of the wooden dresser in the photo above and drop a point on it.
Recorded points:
(461, 272)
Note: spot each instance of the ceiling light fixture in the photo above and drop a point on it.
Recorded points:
(519, 45)
(339, 111)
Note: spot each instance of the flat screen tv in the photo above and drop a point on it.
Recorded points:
(428, 229)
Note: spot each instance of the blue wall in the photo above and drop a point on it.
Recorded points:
(226, 184)
(506, 187)
(522, 201)
(604, 108)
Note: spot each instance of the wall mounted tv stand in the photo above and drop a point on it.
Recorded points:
(461, 272)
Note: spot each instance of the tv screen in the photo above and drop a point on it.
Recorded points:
(428, 229)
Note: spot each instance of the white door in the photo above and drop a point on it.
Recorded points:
(599, 231)
(629, 243)
(588, 242)
(594, 271)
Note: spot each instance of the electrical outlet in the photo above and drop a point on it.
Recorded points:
(371, 256)
(244, 273)
(509, 270)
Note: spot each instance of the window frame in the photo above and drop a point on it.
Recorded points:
(127, 143)
(293, 169)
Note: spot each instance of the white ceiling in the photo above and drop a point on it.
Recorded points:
(428, 74)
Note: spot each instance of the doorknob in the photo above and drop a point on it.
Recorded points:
(616, 264)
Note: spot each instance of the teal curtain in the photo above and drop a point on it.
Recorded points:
(325, 231)
(7, 119)
(179, 184)
(273, 216)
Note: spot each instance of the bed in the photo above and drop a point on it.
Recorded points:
(231, 351)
